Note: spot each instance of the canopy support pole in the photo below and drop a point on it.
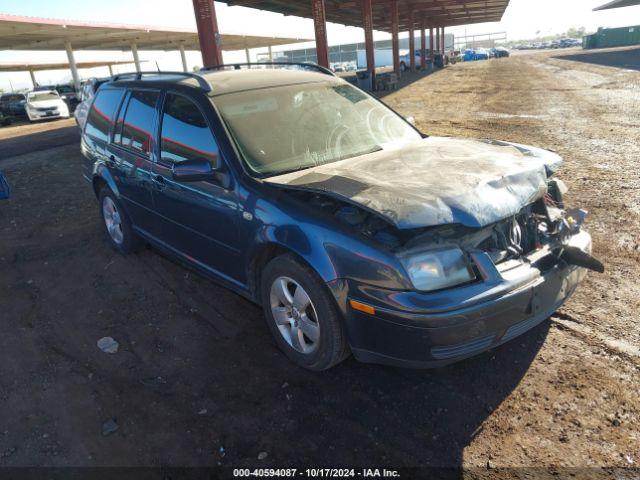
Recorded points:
(367, 24)
(395, 27)
(320, 24)
(136, 58)
(208, 33)
(431, 43)
(423, 47)
(412, 40)
(73, 66)
(183, 57)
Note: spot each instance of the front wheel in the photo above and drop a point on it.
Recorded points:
(302, 315)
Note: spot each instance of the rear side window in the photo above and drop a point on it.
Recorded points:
(135, 122)
(101, 114)
(185, 133)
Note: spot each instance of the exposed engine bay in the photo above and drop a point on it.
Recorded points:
(544, 223)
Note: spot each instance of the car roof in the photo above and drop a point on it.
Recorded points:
(232, 81)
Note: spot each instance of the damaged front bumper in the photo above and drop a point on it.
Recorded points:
(414, 329)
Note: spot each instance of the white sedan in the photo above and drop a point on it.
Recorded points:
(46, 104)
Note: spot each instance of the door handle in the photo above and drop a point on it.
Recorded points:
(159, 182)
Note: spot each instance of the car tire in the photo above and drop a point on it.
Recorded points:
(117, 224)
(313, 337)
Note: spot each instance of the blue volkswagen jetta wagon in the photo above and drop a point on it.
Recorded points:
(355, 232)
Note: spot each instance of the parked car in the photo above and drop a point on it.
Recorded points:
(5, 120)
(405, 60)
(499, 52)
(13, 104)
(473, 55)
(69, 94)
(45, 105)
(354, 231)
(88, 91)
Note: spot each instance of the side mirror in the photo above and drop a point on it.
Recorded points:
(199, 170)
(411, 120)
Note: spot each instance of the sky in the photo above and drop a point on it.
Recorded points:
(523, 19)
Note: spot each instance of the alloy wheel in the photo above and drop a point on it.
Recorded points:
(295, 315)
(112, 220)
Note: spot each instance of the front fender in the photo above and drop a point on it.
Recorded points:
(333, 254)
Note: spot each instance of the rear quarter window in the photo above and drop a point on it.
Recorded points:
(102, 112)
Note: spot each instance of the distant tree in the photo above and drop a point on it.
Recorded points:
(196, 68)
(576, 32)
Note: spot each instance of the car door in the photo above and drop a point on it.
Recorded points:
(199, 219)
(97, 130)
(129, 155)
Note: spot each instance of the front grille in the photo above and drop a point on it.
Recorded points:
(475, 345)
(46, 109)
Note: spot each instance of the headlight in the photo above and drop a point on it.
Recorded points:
(437, 269)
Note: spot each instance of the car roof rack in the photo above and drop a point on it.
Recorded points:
(202, 82)
(239, 66)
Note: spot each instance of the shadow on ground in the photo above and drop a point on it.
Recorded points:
(628, 59)
(38, 141)
(197, 380)
(406, 79)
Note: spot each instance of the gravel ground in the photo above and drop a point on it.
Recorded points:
(197, 379)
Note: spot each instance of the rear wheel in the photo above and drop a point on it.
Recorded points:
(117, 224)
(302, 315)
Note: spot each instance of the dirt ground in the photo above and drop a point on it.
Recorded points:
(198, 380)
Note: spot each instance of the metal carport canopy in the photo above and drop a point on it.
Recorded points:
(36, 67)
(31, 33)
(617, 4)
(435, 13)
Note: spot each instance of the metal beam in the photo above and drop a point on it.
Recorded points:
(320, 24)
(423, 47)
(395, 40)
(183, 57)
(73, 66)
(412, 41)
(33, 78)
(136, 58)
(208, 33)
(367, 24)
(431, 45)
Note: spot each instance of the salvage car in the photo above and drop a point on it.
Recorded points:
(354, 231)
(45, 105)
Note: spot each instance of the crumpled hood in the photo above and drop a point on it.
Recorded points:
(436, 181)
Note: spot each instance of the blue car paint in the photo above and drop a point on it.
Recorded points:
(5, 190)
